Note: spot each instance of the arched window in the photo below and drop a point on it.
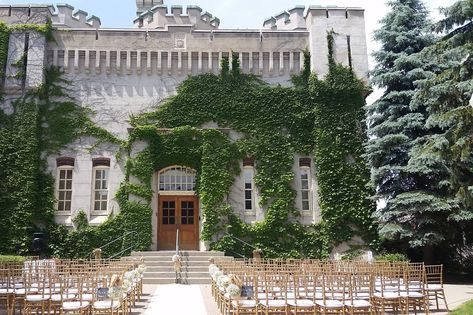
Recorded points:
(177, 178)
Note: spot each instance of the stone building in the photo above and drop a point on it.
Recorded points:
(118, 72)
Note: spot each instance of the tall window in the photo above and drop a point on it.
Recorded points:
(305, 182)
(248, 180)
(305, 188)
(248, 173)
(65, 169)
(101, 169)
(64, 188)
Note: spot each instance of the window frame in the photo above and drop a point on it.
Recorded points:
(57, 190)
(94, 190)
(251, 211)
(305, 170)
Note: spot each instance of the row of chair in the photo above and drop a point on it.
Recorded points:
(325, 287)
(71, 286)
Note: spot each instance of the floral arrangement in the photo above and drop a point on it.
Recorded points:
(217, 275)
(213, 269)
(223, 282)
(115, 291)
(233, 290)
(141, 269)
(177, 261)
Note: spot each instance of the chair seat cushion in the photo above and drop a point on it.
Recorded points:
(87, 297)
(433, 287)
(37, 298)
(106, 304)
(20, 291)
(59, 297)
(387, 295)
(358, 304)
(329, 303)
(273, 303)
(301, 303)
(76, 305)
(415, 295)
(244, 303)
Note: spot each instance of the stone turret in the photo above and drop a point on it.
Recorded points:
(145, 5)
(66, 17)
(160, 16)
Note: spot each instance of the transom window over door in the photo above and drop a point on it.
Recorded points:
(177, 178)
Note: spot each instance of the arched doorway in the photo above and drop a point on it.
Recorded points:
(178, 209)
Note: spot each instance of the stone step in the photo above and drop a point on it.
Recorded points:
(165, 260)
(160, 269)
(205, 280)
(171, 268)
(184, 274)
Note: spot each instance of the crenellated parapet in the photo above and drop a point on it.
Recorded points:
(67, 17)
(162, 16)
(292, 19)
(25, 13)
(63, 16)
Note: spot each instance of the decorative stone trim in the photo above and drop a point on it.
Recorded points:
(101, 162)
(65, 161)
(305, 162)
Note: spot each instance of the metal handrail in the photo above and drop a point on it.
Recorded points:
(136, 237)
(177, 241)
(177, 273)
(241, 241)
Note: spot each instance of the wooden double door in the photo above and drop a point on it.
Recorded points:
(178, 212)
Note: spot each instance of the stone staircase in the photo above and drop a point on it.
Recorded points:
(160, 269)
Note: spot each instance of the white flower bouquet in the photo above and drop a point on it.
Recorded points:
(223, 282)
(115, 293)
(217, 275)
(141, 269)
(126, 285)
(213, 269)
(233, 290)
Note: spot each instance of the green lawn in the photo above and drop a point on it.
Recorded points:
(464, 309)
(10, 258)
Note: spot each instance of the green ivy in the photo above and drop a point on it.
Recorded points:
(320, 117)
(276, 123)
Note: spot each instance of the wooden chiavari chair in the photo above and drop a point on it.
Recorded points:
(387, 286)
(434, 284)
(334, 289)
(275, 291)
(412, 294)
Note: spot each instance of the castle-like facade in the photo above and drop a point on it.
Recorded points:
(118, 72)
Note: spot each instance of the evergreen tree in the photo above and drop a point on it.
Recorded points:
(446, 153)
(394, 127)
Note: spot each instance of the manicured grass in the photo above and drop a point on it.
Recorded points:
(11, 258)
(464, 309)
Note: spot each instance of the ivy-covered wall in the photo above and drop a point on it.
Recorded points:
(319, 117)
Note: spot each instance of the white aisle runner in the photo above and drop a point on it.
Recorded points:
(175, 299)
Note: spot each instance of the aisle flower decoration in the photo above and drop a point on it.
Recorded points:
(177, 261)
(115, 291)
(213, 269)
(217, 275)
(141, 269)
(223, 282)
(233, 291)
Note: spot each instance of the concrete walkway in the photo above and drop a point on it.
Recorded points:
(178, 299)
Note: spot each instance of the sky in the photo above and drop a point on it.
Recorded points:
(239, 13)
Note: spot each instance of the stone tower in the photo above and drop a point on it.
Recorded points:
(144, 5)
